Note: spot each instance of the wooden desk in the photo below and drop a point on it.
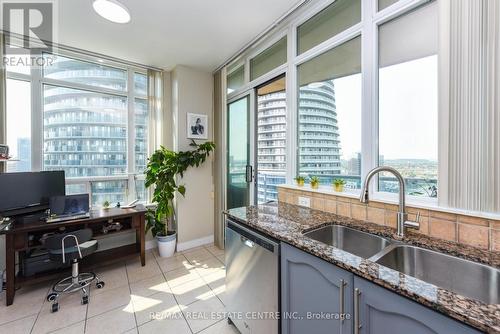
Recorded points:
(17, 237)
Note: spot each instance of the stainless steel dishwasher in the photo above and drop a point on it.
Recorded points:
(252, 273)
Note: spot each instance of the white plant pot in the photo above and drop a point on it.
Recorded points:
(166, 245)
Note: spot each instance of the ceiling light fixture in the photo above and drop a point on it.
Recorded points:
(112, 10)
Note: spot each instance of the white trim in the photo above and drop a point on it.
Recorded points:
(182, 246)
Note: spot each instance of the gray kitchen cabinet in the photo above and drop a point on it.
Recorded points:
(313, 294)
(380, 311)
(311, 286)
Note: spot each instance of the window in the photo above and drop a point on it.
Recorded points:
(382, 4)
(141, 134)
(85, 133)
(86, 73)
(334, 19)
(408, 78)
(19, 125)
(235, 79)
(95, 126)
(329, 115)
(271, 139)
(269, 59)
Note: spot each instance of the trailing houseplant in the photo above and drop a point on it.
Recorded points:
(164, 170)
(300, 180)
(314, 182)
(339, 185)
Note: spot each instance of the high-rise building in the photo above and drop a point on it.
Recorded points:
(319, 143)
(318, 136)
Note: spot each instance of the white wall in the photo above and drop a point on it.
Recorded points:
(192, 92)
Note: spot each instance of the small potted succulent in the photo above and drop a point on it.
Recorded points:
(314, 182)
(339, 185)
(300, 180)
(105, 205)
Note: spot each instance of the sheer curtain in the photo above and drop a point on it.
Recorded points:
(470, 145)
(3, 110)
(155, 104)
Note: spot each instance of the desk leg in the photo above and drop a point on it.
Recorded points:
(140, 236)
(10, 262)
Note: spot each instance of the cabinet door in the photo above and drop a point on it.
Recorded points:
(382, 311)
(313, 294)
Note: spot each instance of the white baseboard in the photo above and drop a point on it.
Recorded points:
(182, 246)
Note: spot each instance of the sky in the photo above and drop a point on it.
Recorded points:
(407, 111)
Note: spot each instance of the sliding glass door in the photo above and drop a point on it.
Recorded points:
(239, 167)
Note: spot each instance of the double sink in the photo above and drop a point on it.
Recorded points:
(474, 280)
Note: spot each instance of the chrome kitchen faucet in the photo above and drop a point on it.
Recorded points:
(402, 215)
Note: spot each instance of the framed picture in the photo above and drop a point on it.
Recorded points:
(197, 126)
(4, 151)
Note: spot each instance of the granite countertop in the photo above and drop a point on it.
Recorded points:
(287, 222)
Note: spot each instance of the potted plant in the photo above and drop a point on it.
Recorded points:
(339, 185)
(105, 205)
(314, 182)
(300, 180)
(163, 171)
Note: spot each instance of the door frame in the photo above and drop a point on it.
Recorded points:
(250, 94)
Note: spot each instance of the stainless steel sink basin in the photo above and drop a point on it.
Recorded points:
(467, 278)
(353, 241)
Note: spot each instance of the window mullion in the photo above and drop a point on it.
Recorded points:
(36, 119)
(369, 109)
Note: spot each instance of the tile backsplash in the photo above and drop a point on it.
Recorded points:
(474, 231)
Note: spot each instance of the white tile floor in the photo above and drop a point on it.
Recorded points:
(178, 290)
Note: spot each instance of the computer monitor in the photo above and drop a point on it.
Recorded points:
(23, 193)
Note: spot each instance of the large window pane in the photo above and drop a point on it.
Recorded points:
(140, 84)
(408, 115)
(19, 125)
(87, 73)
(271, 139)
(141, 134)
(269, 59)
(385, 3)
(111, 191)
(235, 79)
(85, 133)
(334, 19)
(329, 134)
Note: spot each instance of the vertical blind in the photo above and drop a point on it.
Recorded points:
(473, 142)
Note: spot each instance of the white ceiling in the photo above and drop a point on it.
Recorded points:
(165, 33)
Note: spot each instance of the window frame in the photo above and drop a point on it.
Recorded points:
(367, 28)
(38, 81)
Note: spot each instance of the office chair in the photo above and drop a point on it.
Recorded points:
(71, 247)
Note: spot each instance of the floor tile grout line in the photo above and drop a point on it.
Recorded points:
(177, 302)
(130, 292)
(41, 308)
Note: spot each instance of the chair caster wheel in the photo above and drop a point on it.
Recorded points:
(85, 300)
(52, 296)
(55, 307)
(99, 285)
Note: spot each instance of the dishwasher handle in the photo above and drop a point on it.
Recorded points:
(251, 238)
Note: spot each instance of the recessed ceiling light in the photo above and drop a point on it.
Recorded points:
(112, 10)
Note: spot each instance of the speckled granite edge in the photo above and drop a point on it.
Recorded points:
(287, 222)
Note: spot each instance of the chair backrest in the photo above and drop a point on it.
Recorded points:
(54, 242)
